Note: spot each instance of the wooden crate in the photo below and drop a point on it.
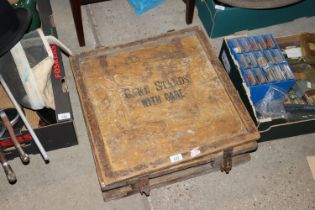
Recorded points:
(199, 166)
(158, 106)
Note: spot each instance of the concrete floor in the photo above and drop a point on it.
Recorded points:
(277, 177)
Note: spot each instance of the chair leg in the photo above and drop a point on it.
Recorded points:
(190, 7)
(77, 17)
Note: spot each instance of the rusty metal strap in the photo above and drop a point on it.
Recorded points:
(226, 164)
(143, 186)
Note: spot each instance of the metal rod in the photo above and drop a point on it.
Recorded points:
(28, 126)
(7, 168)
(24, 157)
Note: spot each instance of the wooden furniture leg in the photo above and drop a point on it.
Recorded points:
(77, 17)
(190, 7)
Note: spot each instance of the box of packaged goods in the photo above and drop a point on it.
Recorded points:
(261, 64)
(274, 79)
(53, 127)
(300, 53)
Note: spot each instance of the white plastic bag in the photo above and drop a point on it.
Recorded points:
(27, 68)
(271, 106)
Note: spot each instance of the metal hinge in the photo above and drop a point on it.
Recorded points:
(226, 164)
(143, 186)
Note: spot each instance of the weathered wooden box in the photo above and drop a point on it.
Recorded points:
(159, 110)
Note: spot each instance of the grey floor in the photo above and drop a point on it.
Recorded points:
(277, 177)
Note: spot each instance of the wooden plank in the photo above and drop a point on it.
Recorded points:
(311, 163)
(293, 40)
(209, 159)
(248, 147)
(5, 101)
(173, 177)
(147, 101)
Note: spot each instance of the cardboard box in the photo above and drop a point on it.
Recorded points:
(260, 65)
(269, 129)
(220, 21)
(61, 134)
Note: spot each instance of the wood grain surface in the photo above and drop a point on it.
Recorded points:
(148, 104)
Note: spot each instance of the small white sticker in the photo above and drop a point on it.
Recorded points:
(64, 116)
(237, 50)
(309, 84)
(219, 7)
(293, 52)
(226, 63)
(195, 152)
(175, 158)
(190, 131)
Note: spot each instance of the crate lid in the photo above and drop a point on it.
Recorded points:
(157, 102)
